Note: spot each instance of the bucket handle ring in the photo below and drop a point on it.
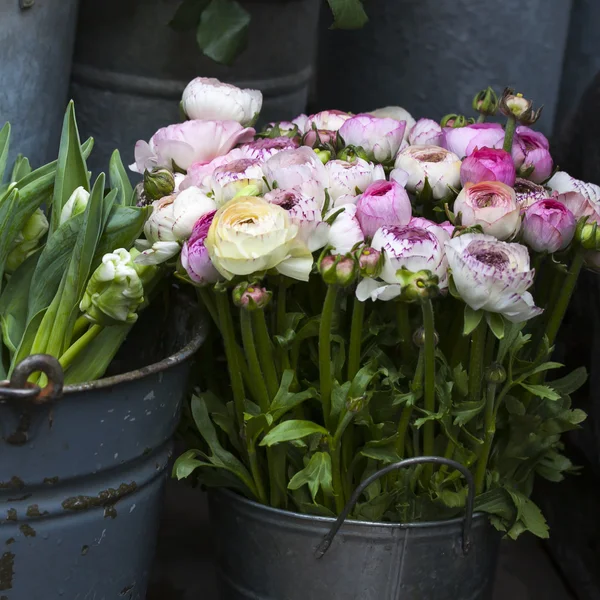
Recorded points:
(466, 535)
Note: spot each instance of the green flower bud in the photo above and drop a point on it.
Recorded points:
(338, 270)
(75, 204)
(486, 102)
(588, 235)
(251, 297)
(516, 105)
(27, 241)
(351, 153)
(495, 373)
(419, 285)
(455, 121)
(370, 262)
(324, 155)
(419, 337)
(158, 183)
(115, 290)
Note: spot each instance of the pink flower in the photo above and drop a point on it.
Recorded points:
(328, 120)
(348, 180)
(426, 132)
(528, 192)
(488, 164)
(548, 226)
(536, 151)
(263, 149)
(383, 203)
(581, 198)
(443, 231)
(187, 143)
(229, 179)
(380, 138)
(464, 140)
(490, 204)
(318, 137)
(194, 255)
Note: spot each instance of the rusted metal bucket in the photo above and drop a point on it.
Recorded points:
(269, 554)
(82, 480)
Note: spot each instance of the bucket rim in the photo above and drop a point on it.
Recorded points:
(330, 521)
(166, 363)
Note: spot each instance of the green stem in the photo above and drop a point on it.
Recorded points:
(509, 134)
(429, 383)
(79, 328)
(356, 331)
(336, 467)
(403, 424)
(265, 352)
(404, 331)
(490, 430)
(256, 474)
(476, 361)
(259, 387)
(481, 118)
(281, 314)
(233, 355)
(325, 352)
(71, 354)
(206, 298)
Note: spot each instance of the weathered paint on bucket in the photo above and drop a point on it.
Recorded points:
(269, 554)
(79, 501)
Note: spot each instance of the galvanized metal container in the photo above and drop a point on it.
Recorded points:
(82, 480)
(269, 554)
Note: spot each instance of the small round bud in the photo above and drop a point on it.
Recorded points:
(75, 205)
(351, 153)
(520, 108)
(251, 297)
(338, 270)
(495, 373)
(355, 405)
(588, 235)
(455, 121)
(370, 262)
(420, 285)
(158, 183)
(324, 155)
(419, 337)
(27, 240)
(486, 102)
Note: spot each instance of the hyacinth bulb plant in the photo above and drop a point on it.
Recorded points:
(381, 288)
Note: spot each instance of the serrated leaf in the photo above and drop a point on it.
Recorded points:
(348, 14)
(292, 430)
(496, 324)
(511, 334)
(316, 474)
(529, 517)
(285, 400)
(547, 366)
(541, 391)
(466, 411)
(570, 383)
(461, 380)
(472, 319)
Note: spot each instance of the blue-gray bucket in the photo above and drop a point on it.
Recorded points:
(269, 554)
(81, 479)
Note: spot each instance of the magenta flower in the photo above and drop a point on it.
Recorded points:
(380, 138)
(548, 226)
(488, 164)
(426, 132)
(463, 141)
(194, 254)
(536, 154)
(383, 203)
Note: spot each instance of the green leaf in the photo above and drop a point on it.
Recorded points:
(348, 14)
(511, 333)
(385, 454)
(515, 406)
(187, 15)
(339, 397)
(464, 412)
(71, 170)
(186, 464)
(496, 324)
(570, 383)
(254, 425)
(21, 168)
(285, 400)
(461, 380)
(547, 366)
(316, 474)
(223, 30)
(529, 517)
(472, 319)
(119, 180)
(291, 430)
(542, 391)
(4, 148)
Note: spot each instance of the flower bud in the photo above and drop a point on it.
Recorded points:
(158, 183)
(251, 297)
(520, 108)
(75, 204)
(27, 241)
(588, 235)
(454, 121)
(486, 102)
(419, 337)
(370, 262)
(495, 374)
(421, 285)
(114, 291)
(324, 155)
(548, 226)
(338, 270)
(351, 153)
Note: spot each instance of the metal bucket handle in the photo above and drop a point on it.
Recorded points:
(466, 536)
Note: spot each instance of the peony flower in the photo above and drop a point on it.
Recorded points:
(491, 204)
(488, 164)
(327, 120)
(209, 99)
(536, 154)
(380, 138)
(229, 179)
(305, 212)
(405, 249)
(194, 254)
(426, 132)
(548, 226)
(187, 143)
(300, 167)
(349, 179)
(383, 203)
(582, 199)
(249, 235)
(399, 114)
(439, 166)
(74, 205)
(345, 231)
(492, 275)
(528, 192)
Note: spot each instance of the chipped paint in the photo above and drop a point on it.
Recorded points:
(10, 541)
(11, 514)
(84, 550)
(51, 480)
(34, 511)
(104, 499)
(27, 530)
(110, 512)
(14, 483)
(7, 571)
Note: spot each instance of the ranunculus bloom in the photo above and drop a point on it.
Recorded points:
(380, 138)
(398, 113)
(528, 192)
(491, 204)
(345, 231)
(383, 203)
(250, 235)
(410, 248)
(187, 143)
(548, 226)
(440, 167)
(581, 198)
(194, 254)
(349, 179)
(300, 167)
(536, 154)
(304, 212)
(488, 164)
(317, 137)
(492, 275)
(464, 140)
(263, 149)
(209, 99)
(443, 231)
(426, 132)
(229, 179)
(327, 120)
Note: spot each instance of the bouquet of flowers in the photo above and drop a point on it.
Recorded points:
(382, 288)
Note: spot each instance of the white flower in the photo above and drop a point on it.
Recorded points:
(426, 132)
(345, 231)
(440, 167)
(492, 275)
(209, 99)
(398, 113)
(328, 120)
(379, 138)
(347, 180)
(229, 179)
(581, 198)
(75, 204)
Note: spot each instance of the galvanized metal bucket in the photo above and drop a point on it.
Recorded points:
(82, 479)
(269, 554)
